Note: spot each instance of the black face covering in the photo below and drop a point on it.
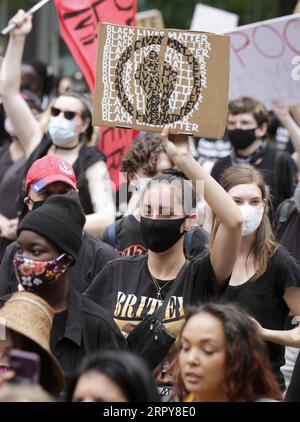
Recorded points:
(161, 235)
(37, 204)
(242, 138)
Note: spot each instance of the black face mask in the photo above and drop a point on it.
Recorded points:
(161, 235)
(37, 204)
(242, 138)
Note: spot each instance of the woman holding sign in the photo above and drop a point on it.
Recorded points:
(68, 128)
(133, 288)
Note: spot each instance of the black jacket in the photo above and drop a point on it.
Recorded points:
(92, 257)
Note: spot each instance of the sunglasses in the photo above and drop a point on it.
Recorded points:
(69, 115)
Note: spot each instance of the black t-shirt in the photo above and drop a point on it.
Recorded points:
(128, 239)
(279, 174)
(92, 257)
(263, 299)
(126, 289)
(290, 234)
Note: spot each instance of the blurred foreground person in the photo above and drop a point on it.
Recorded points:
(223, 359)
(113, 376)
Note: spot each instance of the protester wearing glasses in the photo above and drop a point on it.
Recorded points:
(67, 131)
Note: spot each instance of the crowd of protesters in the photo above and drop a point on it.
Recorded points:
(205, 249)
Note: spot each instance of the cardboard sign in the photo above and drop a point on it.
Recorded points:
(148, 79)
(150, 19)
(211, 19)
(261, 61)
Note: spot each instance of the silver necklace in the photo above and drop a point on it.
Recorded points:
(158, 287)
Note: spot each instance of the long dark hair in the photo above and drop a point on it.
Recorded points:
(127, 370)
(248, 373)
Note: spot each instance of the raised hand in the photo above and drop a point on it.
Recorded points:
(170, 143)
(280, 110)
(23, 23)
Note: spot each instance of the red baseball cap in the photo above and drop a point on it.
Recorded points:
(49, 169)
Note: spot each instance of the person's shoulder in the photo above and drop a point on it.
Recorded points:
(281, 254)
(97, 244)
(126, 220)
(130, 261)
(123, 263)
(91, 153)
(199, 231)
(93, 309)
(283, 259)
(42, 148)
(98, 314)
(198, 262)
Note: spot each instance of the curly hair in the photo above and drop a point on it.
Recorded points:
(248, 373)
(143, 153)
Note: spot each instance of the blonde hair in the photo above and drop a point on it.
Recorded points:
(264, 245)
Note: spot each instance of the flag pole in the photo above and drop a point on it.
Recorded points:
(10, 27)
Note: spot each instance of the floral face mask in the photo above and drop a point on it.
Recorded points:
(35, 275)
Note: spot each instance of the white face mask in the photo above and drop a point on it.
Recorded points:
(141, 183)
(252, 218)
(61, 130)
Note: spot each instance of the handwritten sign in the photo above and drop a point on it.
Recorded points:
(261, 60)
(148, 79)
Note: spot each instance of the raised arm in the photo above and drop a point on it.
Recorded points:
(227, 241)
(101, 194)
(295, 110)
(287, 121)
(26, 127)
